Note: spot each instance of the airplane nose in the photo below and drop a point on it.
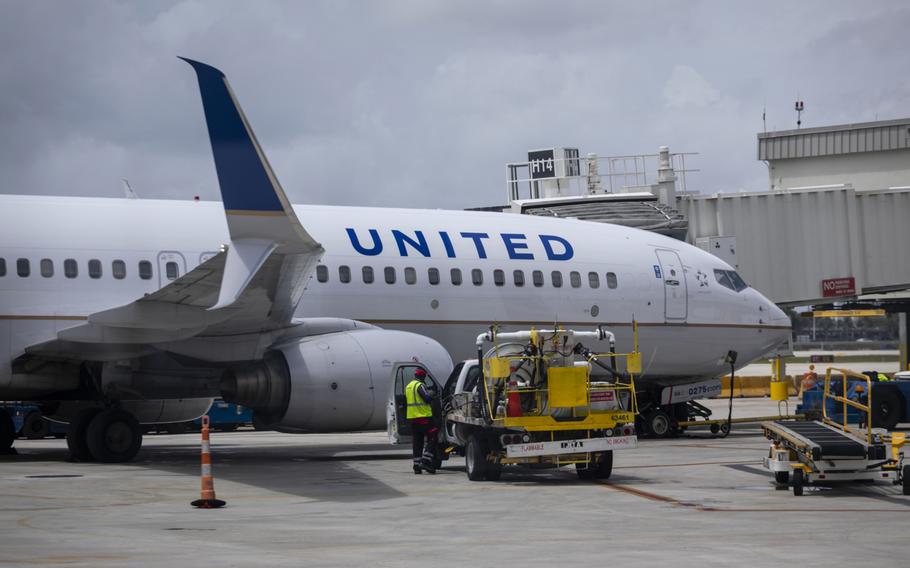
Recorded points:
(776, 315)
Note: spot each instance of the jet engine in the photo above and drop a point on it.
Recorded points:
(331, 382)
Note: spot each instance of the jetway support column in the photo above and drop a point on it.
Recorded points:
(904, 336)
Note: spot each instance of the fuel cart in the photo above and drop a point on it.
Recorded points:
(535, 402)
(833, 450)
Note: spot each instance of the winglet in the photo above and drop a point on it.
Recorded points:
(255, 204)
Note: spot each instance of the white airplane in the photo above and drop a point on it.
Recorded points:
(116, 312)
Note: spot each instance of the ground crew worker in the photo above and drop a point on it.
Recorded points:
(420, 415)
(883, 378)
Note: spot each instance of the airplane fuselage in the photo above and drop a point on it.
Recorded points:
(444, 274)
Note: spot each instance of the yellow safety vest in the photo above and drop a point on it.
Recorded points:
(417, 407)
(883, 378)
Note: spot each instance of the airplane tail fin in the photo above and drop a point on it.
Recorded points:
(254, 202)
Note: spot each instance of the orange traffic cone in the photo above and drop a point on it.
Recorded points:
(207, 498)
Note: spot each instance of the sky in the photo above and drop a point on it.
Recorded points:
(417, 103)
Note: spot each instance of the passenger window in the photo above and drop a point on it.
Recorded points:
(456, 276)
(344, 274)
(410, 275)
(611, 280)
(499, 277)
(519, 277)
(94, 268)
(537, 276)
(477, 276)
(118, 269)
(171, 270)
(389, 275)
(23, 268)
(70, 268)
(556, 276)
(575, 279)
(367, 273)
(593, 280)
(2, 267)
(145, 270)
(47, 267)
(433, 276)
(322, 273)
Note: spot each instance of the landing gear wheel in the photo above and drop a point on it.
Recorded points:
(782, 477)
(34, 427)
(660, 424)
(76, 435)
(114, 436)
(886, 409)
(905, 474)
(475, 458)
(799, 481)
(7, 432)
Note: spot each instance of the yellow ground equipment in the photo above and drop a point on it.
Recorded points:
(832, 449)
(538, 403)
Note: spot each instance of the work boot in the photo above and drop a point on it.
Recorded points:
(428, 466)
(417, 469)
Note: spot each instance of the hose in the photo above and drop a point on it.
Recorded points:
(731, 357)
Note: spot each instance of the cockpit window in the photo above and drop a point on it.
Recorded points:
(738, 283)
(730, 279)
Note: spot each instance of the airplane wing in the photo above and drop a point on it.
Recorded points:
(254, 285)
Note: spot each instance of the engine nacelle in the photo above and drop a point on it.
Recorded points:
(332, 382)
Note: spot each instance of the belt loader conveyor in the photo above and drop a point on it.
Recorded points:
(826, 451)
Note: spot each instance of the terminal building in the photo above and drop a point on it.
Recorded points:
(829, 230)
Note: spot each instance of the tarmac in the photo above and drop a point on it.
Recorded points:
(351, 500)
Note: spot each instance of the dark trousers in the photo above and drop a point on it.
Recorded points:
(423, 446)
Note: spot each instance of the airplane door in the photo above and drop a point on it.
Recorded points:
(171, 266)
(399, 429)
(675, 291)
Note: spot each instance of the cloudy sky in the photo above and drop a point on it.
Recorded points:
(422, 103)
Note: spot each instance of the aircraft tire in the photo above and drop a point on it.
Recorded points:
(659, 424)
(34, 427)
(76, 435)
(114, 436)
(7, 431)
(475, 458)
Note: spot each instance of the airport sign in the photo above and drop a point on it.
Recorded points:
(834, 287)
